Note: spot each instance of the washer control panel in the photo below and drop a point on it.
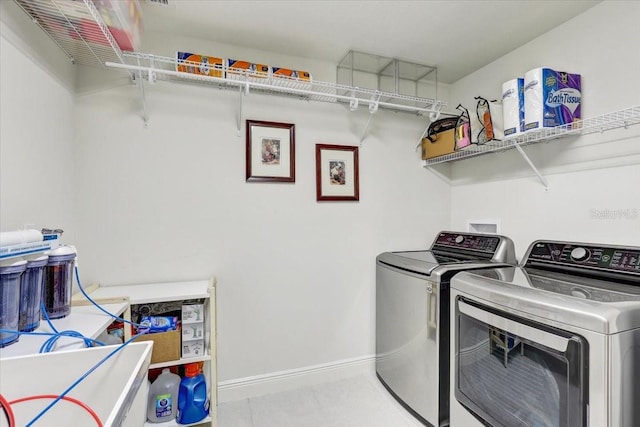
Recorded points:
(473, 242)
(607, 258)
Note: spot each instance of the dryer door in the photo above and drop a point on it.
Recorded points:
(511, 371)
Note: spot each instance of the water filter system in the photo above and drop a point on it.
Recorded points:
(36, 280)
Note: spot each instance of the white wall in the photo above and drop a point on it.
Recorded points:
(593, 192)
(37, 163)
(296, 278)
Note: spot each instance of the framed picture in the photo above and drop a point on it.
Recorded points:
(337, 173)
(271, 151)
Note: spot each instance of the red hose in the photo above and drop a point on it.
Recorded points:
(55, 396)
(6, 407)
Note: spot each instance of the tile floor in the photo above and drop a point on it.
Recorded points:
(356, 402)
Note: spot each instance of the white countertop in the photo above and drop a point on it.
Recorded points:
(88, 320)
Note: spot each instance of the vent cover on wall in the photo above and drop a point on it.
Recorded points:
(484, 226)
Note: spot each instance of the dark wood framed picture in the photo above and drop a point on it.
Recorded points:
(271, 152)
(337, 173)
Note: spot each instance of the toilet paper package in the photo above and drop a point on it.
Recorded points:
(513, 107)
(551, 98)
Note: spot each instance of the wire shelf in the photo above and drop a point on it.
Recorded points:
(605, 122)
(77, 28)
(159, 68)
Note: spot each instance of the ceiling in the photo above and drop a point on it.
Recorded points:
(457, 36)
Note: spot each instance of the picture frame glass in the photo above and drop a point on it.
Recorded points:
(337, 169)
(337, 173)
(270, 152)
(269, 156)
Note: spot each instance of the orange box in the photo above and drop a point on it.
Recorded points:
(304, 76)
(199, 64)
(243, 67)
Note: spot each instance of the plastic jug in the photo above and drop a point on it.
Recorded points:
(163, 397)
(193, 404)
(58, 280)
(10, 273)
(31, 292)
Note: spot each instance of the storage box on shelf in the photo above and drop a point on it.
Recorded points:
(84, 318)
(194, 303)
(166, 346)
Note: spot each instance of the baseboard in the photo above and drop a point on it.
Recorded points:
(248, 387)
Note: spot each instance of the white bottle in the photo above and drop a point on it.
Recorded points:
(163, 397)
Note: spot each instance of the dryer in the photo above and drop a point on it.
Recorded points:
(553, 343)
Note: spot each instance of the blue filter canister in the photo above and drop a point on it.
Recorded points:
(193, 404)
(58, 281)
(10, 274)
(31, 292)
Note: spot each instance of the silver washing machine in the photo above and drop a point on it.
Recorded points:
(554, 343)
(412, 316)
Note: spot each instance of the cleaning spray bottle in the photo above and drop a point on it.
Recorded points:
(193, 404)
(163, 397)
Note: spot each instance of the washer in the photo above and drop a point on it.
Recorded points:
(555, 342)
(412, 316)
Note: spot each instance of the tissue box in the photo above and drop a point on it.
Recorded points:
(193, 348)
(551, 98)
(192, 331)
(290, 74)
(199, 64)
(192, 313)
(239, 69)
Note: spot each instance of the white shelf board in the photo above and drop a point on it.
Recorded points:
(155, 292)
(183, 361)
(77, 27)
(614, 120)
(154, 67)
(87, 320)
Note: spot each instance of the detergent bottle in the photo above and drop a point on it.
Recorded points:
(163, 397)
(193, 404)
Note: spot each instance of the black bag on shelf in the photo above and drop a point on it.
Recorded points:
(441, 125)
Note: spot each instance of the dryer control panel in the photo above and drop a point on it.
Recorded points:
(613, 259)
(473, 242)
